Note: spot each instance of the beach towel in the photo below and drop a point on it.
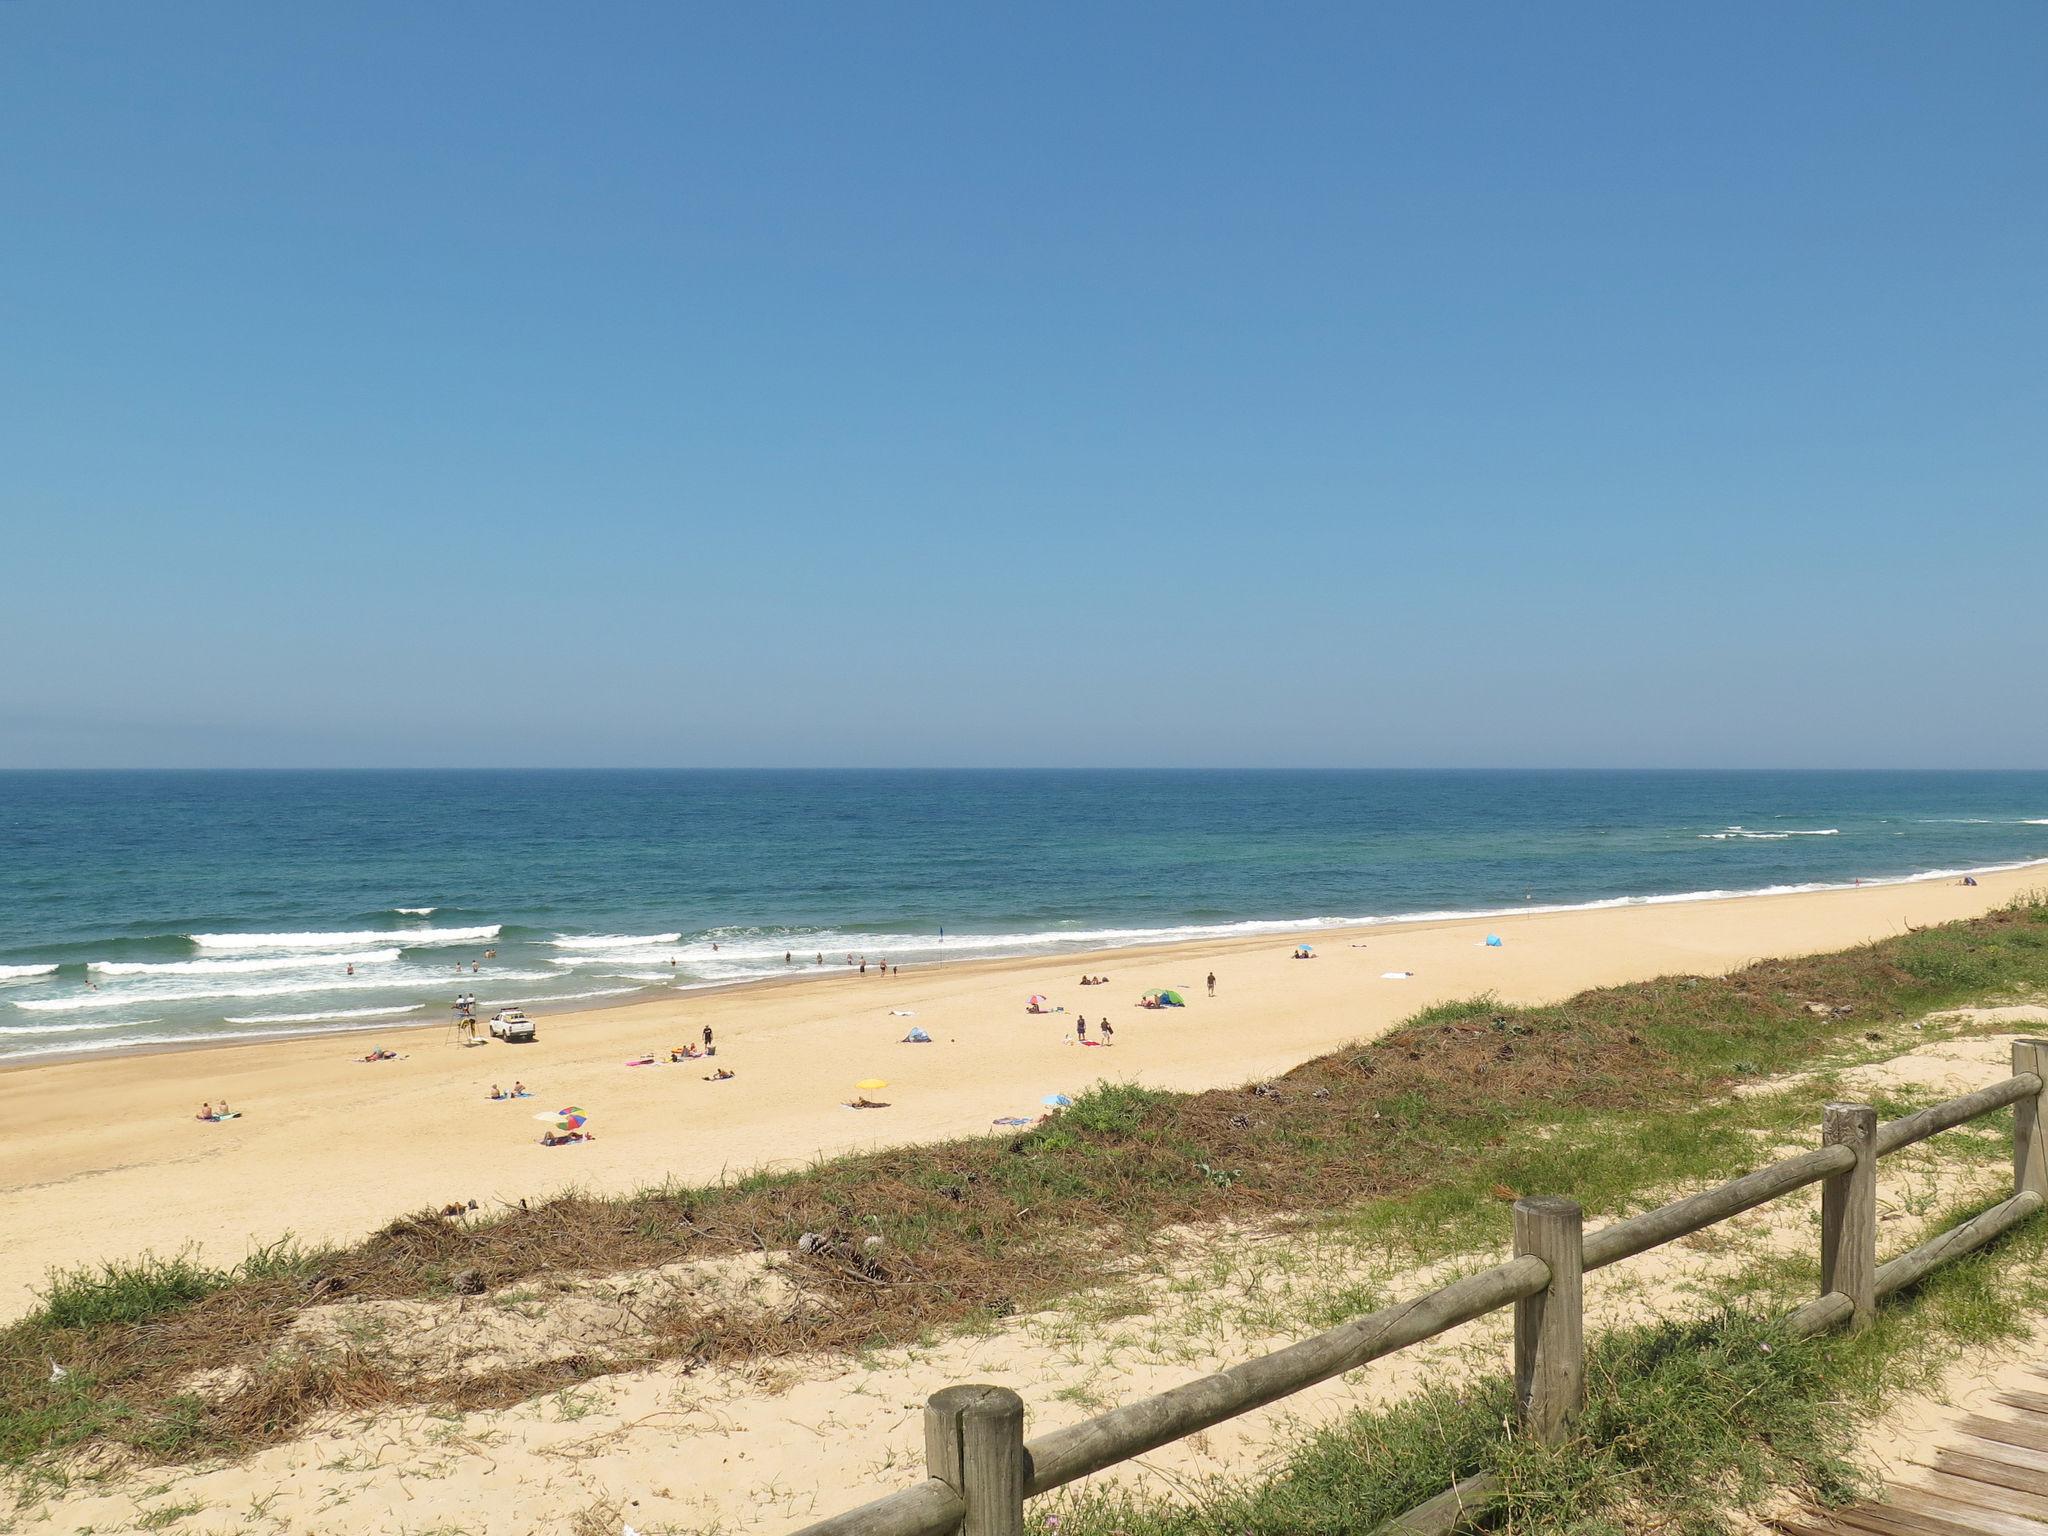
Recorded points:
(1011, 1120)
(1395, 975)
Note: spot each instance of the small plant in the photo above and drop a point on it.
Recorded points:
(167, 1514)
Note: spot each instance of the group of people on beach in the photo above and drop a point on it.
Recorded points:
(222, 1112)
(1094, 981)
(519, 1091)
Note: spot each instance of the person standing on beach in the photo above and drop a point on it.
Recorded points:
(1212, 983)
(707, 1037)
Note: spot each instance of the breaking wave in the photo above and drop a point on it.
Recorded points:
(220, 967)
(411, 938)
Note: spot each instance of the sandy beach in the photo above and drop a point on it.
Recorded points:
(105, 1159)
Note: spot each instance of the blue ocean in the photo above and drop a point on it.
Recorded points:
(150, 908)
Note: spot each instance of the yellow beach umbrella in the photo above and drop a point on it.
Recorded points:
(871, 1082)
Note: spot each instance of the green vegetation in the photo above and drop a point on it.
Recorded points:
(1686, 1424)
(1413, 1142)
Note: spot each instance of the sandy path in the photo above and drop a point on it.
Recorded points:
(102, 1159)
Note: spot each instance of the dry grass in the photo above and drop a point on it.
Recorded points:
(966, 1230)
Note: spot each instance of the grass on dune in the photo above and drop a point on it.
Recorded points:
(1686, 1424)
(1410, 1139)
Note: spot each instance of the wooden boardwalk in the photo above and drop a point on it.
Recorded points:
(1988, 1476)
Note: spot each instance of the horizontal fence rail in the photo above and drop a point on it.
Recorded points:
(982, 1469)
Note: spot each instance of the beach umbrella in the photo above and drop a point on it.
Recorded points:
(1308, 949)
(871, 1082)
(1056, 1101)
(1173, 1000)
(571, 1119)
(1035, 1000)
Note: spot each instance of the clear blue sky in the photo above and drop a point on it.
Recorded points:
(872, 384)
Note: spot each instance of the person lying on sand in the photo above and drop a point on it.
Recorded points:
(684, 1053)
(563, 1138)
(380, 1054)
(864, 1102)
(720, 1076)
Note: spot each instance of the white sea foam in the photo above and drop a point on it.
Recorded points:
(298, 962)
(117, 997)
(20, 972)
(417, 911)
(202, 1037)
(612, 940)
(565, 997)
(409, 937)
(1767, 837)
(323, 1018)
(89, 1025)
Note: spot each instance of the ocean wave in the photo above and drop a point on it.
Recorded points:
(612, 940)
(323, 1018)
(1984, 821)
(416, 911)
(297, 962)
(196, 1037)
(411, 938)
(561, 997)
(117, 997)
(83, 1027)
(19, 972)
(1767, 837)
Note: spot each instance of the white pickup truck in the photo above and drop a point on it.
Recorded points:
(511, 1026)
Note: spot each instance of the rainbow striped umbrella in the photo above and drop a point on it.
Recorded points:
(570, 1119)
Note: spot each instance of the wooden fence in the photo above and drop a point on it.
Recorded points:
(981, 1469)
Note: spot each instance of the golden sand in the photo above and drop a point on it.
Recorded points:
(104, 1158)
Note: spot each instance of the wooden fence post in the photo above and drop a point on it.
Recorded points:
(974, 1442)
(1550, 1327)
(1848, 1212)
(2030, 1121)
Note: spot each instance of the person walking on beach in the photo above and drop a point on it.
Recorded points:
(1212, 983)
(707, 1038)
